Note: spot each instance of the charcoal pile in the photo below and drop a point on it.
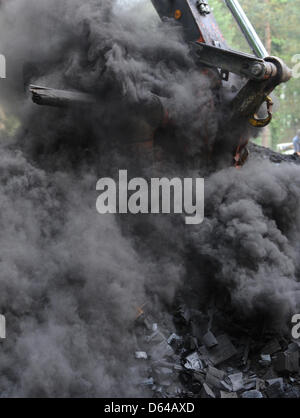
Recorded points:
(262, 153)
(200, 362)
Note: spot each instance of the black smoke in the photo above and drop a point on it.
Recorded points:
(71, 280)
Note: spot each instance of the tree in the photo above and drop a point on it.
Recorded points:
(277, 23)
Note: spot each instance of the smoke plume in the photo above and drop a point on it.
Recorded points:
(71, 281)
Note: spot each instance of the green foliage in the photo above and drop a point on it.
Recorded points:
(283, 17)
(9, 125)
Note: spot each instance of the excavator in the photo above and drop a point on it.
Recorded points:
(256, 75)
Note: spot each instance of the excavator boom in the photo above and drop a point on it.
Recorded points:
(258, 74)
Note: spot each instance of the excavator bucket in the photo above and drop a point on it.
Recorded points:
(59, 98)
(259, 74)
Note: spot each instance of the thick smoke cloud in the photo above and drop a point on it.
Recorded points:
(250, 241)
(71, 280)
(70, 287)
(71, 283)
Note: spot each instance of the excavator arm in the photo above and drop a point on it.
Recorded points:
(201, 30)
(259, 74)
